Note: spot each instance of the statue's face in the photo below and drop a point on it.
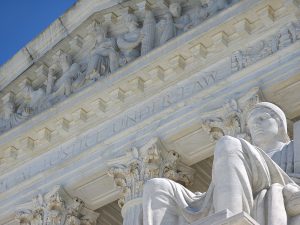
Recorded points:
(175, 10)
(263, 126)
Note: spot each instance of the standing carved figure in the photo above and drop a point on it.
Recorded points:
(128, 42)
(165, 29)
(180, 21)
(148, 31)
(104, 58)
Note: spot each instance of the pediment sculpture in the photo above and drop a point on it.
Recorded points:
(64, 75)
(256, 178)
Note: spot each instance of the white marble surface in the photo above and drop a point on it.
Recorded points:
(226, 217)
(71, 142)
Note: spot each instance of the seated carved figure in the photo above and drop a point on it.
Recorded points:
(70, 79)
(104, 57)
(11, 117)
(245, 177)
(128, 42)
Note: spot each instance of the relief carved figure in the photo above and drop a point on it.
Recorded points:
(283, 38)
(165, 29)
(104, 57)
(216, 5)
(258, 180)
(129, 42)
(148, 31)
(34, 101)
(10, 115)
(70, 79)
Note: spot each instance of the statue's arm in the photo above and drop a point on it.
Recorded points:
(124, 44)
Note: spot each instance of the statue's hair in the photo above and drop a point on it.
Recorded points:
(130, 17)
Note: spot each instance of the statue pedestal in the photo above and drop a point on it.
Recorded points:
(226, 217)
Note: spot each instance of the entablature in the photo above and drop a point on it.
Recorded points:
(179, 59)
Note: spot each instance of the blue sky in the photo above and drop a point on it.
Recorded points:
(22, 20)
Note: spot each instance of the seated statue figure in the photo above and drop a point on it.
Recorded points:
(253, 178)
(129, 42)
(104, 57)
(70, 79)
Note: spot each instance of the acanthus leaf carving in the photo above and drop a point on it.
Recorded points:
(150, 161)
(55, 208)
(231, 118)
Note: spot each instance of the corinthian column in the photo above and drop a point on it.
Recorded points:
(131, 172)
(55, 208)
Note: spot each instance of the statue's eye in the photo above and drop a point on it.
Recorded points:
(265, 116)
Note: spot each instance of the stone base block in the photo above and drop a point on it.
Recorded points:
(226, 217)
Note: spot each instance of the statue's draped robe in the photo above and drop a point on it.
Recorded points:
(260, 179)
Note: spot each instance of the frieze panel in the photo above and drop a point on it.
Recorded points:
(286, 36)
(64, 76)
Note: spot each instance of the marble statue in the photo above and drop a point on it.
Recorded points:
(180, 20)
(104, 58)
(148, 31)
(196, 16)
(34, 100)
(10, 116)
(129, 42)
(70, 79)
(216, 5)
(165, 29)
(254, 178)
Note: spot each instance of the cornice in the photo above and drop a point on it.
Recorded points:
(179, 59)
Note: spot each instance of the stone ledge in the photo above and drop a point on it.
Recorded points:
(226, 217)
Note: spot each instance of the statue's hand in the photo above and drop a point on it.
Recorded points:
(291, 193)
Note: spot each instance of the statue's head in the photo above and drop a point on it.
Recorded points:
(175, 9)
(131, 20)
(267, 123)
(65, 60)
